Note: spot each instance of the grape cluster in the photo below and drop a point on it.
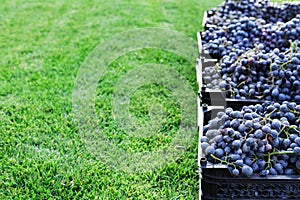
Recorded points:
(211, 77)
(273, 76)
(259, 139)
(248, 33)
(269, 12)
(257, 60)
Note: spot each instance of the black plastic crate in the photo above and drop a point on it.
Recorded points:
(202, 64)
(216, 182)
(214, 96)
(207, 95)
(203, 53)
(204, 21)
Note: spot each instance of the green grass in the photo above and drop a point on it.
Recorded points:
(42, 155)
(42, 46)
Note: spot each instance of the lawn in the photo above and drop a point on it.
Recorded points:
(43, 154)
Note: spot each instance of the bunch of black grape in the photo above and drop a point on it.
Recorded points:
(256, 75)
(219, 41)
(269, 12)
(259, 139)
(274, 13)
(211, 77)
(230, 10)
(247, 33)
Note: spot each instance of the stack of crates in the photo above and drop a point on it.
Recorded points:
(216, 182)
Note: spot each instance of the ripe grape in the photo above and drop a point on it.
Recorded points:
(210, 150)
(247, 171)
(235, 172)
(219, 152)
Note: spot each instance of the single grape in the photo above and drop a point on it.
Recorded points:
(288, 171)
(210, 150)
(297, 164)
(236, 144)
(264, 172)
(204, 139)
(233, 157)
(250, 141)
(293, 137)
(297, 141)
(258, 134)
(235, 172)
(227, 149)
(255, 167)
(297, 150)
(274, 134)
(293, 159)
(246, 148)
(260, 162)
(239, 163)
(219, 152)
(284, 163)
(286, 143)
(266, 129)
(247, 171)
(279, 168)
(268, 147)
(204, 145)
(272, 171)
(248, 161)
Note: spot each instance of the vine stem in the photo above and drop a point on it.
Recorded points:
(222, 161)
(278, 153)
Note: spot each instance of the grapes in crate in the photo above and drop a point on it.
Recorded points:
(258, 74)
(248, 33)
(269, 12)
(261, 139)
(273, 76)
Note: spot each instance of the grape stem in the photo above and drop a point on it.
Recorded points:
(222, 161)
(278, 153)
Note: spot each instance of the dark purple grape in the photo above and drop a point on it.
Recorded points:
(236, 144)
(288, 171)
(272, 171)
(247, 171)
(297, 164)
(239, 163)
(235, 172)
(264, 172)
(219, 152)
(210, 150)
(297, 150)
(279, 168)
(268, 147)
(297, 140)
